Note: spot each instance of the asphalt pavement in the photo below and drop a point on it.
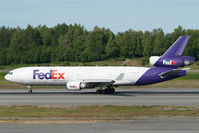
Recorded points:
(135, 126)
(148, 96)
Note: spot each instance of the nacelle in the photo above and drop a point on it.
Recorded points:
(153, 60)
(75, 85)
(176, 61)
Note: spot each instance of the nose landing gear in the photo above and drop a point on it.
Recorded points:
(29, 89)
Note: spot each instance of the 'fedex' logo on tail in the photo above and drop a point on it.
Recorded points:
(171, 62)
(53, 74)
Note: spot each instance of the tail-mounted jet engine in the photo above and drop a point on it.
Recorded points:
(176, 61)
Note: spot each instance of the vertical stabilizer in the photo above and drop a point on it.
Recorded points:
(177, 48)
(173, 56)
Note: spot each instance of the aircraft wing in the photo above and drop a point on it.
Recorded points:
(98, 82)
(88, 83)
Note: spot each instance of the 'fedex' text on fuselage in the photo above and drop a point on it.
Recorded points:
(53, 74)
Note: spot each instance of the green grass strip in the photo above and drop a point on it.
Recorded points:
(2, 75)
(98, 111)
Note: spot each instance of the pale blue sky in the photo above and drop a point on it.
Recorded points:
(117, 15)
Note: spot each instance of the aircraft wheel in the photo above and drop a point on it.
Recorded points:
(99, 91)
(112, 90)
(30, 91)
(107, 91)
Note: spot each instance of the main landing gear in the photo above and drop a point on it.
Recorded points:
(108, 90)
(29, 89)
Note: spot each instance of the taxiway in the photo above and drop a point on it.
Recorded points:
(153, 96)
(136, 126)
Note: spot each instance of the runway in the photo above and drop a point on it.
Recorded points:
(153, 96)
(136, 126)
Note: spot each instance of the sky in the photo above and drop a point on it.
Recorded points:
(117, 15)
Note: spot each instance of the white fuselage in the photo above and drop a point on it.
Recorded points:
(61, 75)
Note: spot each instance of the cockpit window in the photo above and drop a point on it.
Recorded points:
(10, 73)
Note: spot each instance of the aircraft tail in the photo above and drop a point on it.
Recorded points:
(172, 57)
(177, 48)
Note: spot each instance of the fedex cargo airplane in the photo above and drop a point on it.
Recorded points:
(164, 68)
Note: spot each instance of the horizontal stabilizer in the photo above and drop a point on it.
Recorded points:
(169, 73)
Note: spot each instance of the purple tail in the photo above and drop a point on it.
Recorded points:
(167, 64)
(172, 57)
(177, 48)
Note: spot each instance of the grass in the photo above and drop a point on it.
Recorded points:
(98, 111)
(110, 62)
(190, 76)
(2, 75)
(176, 83)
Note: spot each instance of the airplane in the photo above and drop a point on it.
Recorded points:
(105, 78)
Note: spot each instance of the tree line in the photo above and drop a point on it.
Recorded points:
(64, 42)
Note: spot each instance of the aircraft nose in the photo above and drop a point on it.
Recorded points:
(6, 77)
